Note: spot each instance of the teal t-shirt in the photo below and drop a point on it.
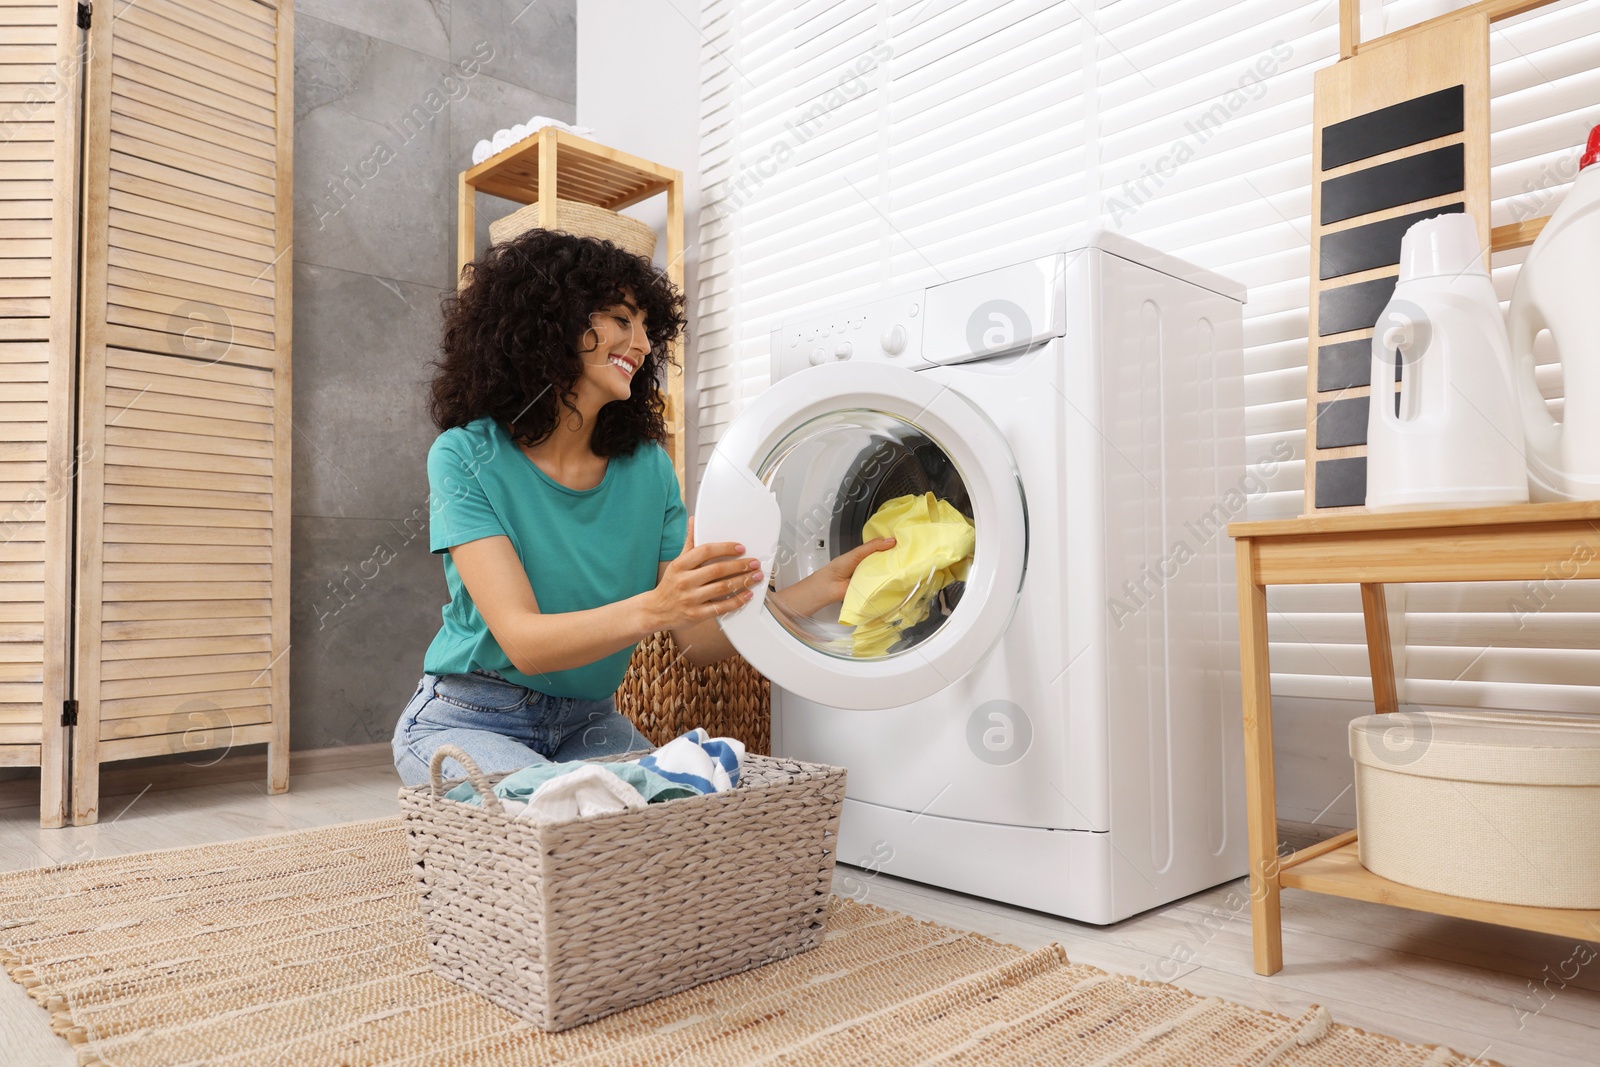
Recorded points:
(581, 548)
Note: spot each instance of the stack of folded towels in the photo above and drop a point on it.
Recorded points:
(688, 766)
(504, 139)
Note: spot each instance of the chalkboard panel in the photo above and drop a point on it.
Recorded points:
(1404, 181)
(1407, 123)
(1342, 422)
(1352, 307)
(1377, 244)
(1342, 483)
(1344, 365)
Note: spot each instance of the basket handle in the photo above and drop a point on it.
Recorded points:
(491, 802)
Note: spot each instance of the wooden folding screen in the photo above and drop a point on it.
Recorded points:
(40, 64)
(182, 437)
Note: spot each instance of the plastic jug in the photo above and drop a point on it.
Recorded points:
(1559, 290)
(1456, 439)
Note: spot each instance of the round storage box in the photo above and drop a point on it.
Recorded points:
(1487, 805)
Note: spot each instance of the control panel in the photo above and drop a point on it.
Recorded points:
(884, 331)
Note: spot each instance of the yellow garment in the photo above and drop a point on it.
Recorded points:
(892, 590)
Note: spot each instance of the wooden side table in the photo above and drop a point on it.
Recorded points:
(1527, 542)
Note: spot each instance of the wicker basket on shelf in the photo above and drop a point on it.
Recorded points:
(664, 696)
(583, 220)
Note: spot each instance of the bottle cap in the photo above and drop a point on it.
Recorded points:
(1442, 245)
(1593, 154)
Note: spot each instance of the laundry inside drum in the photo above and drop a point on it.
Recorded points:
(841, 480)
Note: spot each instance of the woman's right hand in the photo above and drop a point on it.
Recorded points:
(702, 583)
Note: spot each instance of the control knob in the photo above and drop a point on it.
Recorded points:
(894, 340)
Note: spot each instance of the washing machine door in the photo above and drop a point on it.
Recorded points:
(796, 479)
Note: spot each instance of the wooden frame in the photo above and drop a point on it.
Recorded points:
(587, 172)
(283, 399)
(1350, 42)
(1520, 543)
(91, 500)
(1440, 53)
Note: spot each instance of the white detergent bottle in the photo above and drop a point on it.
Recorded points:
(1559, 290)
(1456, 439)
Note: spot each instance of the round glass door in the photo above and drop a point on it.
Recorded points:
(842, 481)
(820, 466)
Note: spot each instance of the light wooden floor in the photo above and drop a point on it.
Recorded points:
(1417, 977)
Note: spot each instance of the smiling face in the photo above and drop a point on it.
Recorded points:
(617, 348)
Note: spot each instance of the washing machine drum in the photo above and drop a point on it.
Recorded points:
(893, 468)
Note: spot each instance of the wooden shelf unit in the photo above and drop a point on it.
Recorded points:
(1518, 543)
(556, 164)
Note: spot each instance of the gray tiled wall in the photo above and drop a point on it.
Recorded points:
(385, 118)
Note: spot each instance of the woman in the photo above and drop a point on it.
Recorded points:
(558, 512)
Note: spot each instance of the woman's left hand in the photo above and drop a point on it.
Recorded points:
(839, 571)
(829, 584)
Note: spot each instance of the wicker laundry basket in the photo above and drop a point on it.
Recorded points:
(563, 923)
(665, 696)
(584, 220)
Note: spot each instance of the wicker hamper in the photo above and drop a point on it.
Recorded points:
(585, 220)
(664, 696)
(1498, 807)
(563, 923)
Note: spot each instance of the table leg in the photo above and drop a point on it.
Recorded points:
(1380, 650)
(278, 763)
(1261, 802)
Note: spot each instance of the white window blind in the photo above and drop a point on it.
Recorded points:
(985, 134)
(976, 127)
(849, 146)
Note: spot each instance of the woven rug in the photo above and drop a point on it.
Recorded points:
(305, 949)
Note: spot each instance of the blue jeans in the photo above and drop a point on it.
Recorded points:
(504, 726)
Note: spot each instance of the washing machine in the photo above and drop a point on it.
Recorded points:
(1060, 727)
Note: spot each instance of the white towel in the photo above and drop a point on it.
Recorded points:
(504, 139)
(709, 764)
(589, 790)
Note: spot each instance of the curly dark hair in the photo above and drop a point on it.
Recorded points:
(511, 337)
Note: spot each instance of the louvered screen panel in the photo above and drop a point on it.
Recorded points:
(39, 63)
(184, 552)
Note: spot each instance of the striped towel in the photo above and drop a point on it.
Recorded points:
(709, 764)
